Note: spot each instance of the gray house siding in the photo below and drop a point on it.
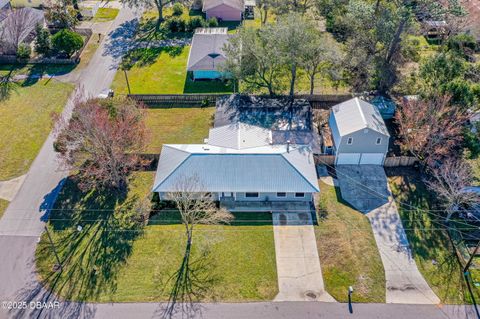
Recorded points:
(272, 197)
(334, 129)
(364, 141)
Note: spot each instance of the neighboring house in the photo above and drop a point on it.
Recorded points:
(206, 53)
(226, 10)
(289, 122)
(5, 5)
(12, 34)
(241, 167)
(359, 133)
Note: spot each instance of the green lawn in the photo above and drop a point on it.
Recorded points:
(25, 122)
(111, 260)
(3, 206)
(164, 71)
(177, 126)
(347, 249)
(105, 14)
(431, 247)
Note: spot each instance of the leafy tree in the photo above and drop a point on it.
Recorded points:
(66, 41)
(177, 9)
(322, 55)
(102, 141)
(62, 14)
(43, 45)
(160, 5)
(253, 56)
(23, 51)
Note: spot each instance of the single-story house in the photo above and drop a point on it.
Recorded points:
(10, 36)
(359, 133)
(239, 166)
(225, 10)
(206, 53)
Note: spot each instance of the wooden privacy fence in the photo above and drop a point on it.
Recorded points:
(393, 161)
(195, 100)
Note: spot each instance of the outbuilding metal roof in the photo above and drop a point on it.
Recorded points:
(219, 169)
(355, 114)
(236, 4)
(206, 52)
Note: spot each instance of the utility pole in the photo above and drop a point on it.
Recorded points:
(126, 79)
(53, 247)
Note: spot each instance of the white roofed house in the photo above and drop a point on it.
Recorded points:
(241, 168)
(359, 133)
(226, 10)
(206, 53)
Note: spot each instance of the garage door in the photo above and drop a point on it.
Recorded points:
(372, 158)
(348, 158)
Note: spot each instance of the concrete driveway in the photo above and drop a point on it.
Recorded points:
(298, 265)
(365, 187)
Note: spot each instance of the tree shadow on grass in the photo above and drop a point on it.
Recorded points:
(92, 254)
(143, 57)
(7, 85)
(191, 282)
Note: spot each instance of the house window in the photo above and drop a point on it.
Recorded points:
(251, 195)
(281, 194)
(379, 141)
(299, 195)
(350, 140)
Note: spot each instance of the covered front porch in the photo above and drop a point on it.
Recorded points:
(267, 206)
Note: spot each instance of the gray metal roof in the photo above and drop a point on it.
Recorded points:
(236, 4)
(206, 52)
(218, 169)
(239, 136)
(4, 3)
(355, 114)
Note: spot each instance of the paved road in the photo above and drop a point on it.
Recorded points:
(404, 282)
(23, 221)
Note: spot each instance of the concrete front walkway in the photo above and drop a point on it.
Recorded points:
(298, 265)
(365, 187)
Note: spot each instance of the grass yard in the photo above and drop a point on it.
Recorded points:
(347, 249)
(3, 206)
(105, 14)
(431, 247)
(177, 126)
(164, 71)
(25, 122)
(112, 261)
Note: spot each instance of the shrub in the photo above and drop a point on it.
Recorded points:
(176, 24)
(67, 42)
(212, 22)
(177, 9)
(43, 44)
(195, 22)
(23, 51)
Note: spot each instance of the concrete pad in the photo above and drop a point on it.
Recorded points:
(10, 188)
(298, 265)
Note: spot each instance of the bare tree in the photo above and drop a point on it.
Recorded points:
(196, 208)
(450, 182)
(16, 27)
(430, 129)
(102, 141)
